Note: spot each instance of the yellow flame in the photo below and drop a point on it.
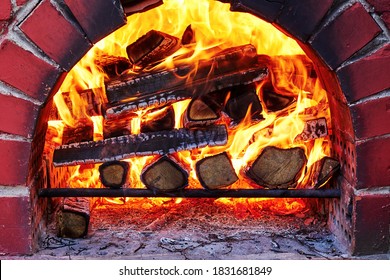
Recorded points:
(216, 28)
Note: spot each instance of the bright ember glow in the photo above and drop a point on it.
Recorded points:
(216, 28)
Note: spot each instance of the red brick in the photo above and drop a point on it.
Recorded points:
(5, 9)
(347, 34)
(55, 35)
(98, 18)
(23, 70)
(16, 240)
(267, 10)
(15, 157)
(380, 5)
(371, 118)
(373, 163)
(21, 2)
(371, 223)
(15, 212)
(17, 116)
(300, 18)
(367, 76)
(386, 19)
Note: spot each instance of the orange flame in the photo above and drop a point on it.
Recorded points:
(216, 28)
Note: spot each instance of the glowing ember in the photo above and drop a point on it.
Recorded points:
(291, 79)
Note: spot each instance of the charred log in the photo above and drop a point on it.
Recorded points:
(232, 67)
(273, 101)
(135, 6)
(188, 36)
(143, 144)
(113, 66)
(241, 99)
(152, 47)
(117, 127)
(216, 172)
(314, 129)
(277, 168)
(82, 132)
(113, 174)
(159, 120)
(323, 170)
(72, 217)
(201, 111)
(164, 175)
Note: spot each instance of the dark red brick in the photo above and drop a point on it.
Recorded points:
(21, 2)
(55, 35)
(17, 116)
(98, 18)
(386, 19)
(15, 211)
(16, 241)
(265, 9)
(371, 118)
(23, 70)
(371, 223)
(380, 5)
(347, 34)
(5, 9)
(373, 163)
(367, 76)
(15, 157)
(301, 17)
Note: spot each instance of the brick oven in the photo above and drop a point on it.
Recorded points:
(348, 41)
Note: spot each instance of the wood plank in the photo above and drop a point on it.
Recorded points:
(143, 144)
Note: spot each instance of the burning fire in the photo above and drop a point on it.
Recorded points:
(216, 28)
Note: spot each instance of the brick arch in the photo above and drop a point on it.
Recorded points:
(34, 56)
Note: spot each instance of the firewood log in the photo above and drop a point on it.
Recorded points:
(113, 174)
(215, 172)
(143, 144)
(323, 170)
(117, 127)
(159, 120)
(314, 129)
(188, 36)
(241, 98)
(277, 168)
(164, 175)
(273, 101)
(82, 132)
(113, 66)
(152, 47)
(139, 6)
(72, 218)
(201, 111)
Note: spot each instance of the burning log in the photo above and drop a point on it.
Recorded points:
(277, 168)
(117, 127)
(216, 172)
(159, 120)
(72, 217)
(235, 66)
(275, 102)
(314, 129)
(201, 111)
(323, 170)
(113, 174)
(135, 6)
(82, 132)
(188, 36)
(164, 175)
(113, 66)
(143, 144)
(241, 99)
(152, 47)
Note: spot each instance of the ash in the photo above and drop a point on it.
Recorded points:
(194, 230)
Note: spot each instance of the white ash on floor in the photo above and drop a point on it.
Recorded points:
(193, 230)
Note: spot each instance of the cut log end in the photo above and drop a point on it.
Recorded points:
(73, 217)
(277, 168)
(164, 175)
(216, 172)
(113, 174)
(324, 170)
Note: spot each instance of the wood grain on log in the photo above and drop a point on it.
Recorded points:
(277, 168)
(215, 172)
(143, 144)
(73, 217)
(113, 174)
(82, 132)
(164, 175)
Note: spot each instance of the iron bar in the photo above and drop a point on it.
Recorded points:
(191, 193)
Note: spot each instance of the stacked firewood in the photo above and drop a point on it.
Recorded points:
(224, 84)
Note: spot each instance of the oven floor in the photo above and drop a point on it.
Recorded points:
(190, 230)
